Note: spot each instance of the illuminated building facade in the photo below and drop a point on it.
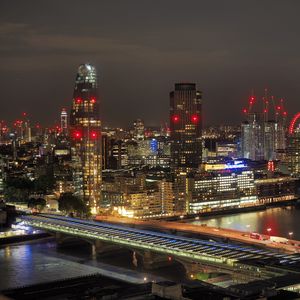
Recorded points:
(85, 133)
(263, 131)
(1, 179)
(293, 147)
(137, 194)
(186, 126)
(139, 129)
(252, 137)
(222, 187)
(64, 122)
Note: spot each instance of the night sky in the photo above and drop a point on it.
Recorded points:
(141, 48)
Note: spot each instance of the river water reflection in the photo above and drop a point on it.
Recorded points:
(282, 221)
(40, 261)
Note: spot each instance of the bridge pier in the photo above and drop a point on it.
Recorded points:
(98, 247)
(102, 248)
(153, 260)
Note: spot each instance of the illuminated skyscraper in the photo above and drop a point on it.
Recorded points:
(252, 137)
(85, 128)
(263, 132)
(64, 121)
(186, 126)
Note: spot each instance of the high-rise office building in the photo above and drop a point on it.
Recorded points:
(186, 126)
(85, 132)
(263, 131)
(64, 122)
(139, 130)
(252, 138)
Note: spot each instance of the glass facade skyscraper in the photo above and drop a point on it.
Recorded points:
(186, 126)
(85, 133)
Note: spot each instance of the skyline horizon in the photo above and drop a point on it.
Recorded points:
(141, 53)
(237, 122)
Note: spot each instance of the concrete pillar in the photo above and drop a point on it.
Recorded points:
(153, 260)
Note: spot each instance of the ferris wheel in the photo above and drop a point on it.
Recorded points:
(293, 123)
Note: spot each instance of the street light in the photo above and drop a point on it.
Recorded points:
(290, 234)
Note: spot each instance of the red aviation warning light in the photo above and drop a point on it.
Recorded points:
(77, 134)
(195, 119)
(175, 119)
(94, 135)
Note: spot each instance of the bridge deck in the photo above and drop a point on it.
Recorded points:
(188, 248)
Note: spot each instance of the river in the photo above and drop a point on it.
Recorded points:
(40, 261)
(281, 221)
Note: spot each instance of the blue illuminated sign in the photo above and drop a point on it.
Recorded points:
(154, 145)
(237, 164)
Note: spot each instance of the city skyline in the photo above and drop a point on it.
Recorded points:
(149, 149)
(157, 50)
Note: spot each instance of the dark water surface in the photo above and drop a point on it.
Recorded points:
(41, 261)
(282, 221)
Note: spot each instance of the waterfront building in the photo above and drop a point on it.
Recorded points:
(293, 153)
(166, 196)
(293, 147)
(276, 189)
(138, 194)
(85, 133)
(221, 187)
(2, 174)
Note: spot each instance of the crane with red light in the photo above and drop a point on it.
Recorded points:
(269, 107)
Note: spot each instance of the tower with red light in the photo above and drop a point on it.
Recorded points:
(186, 126)
(85, 133)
